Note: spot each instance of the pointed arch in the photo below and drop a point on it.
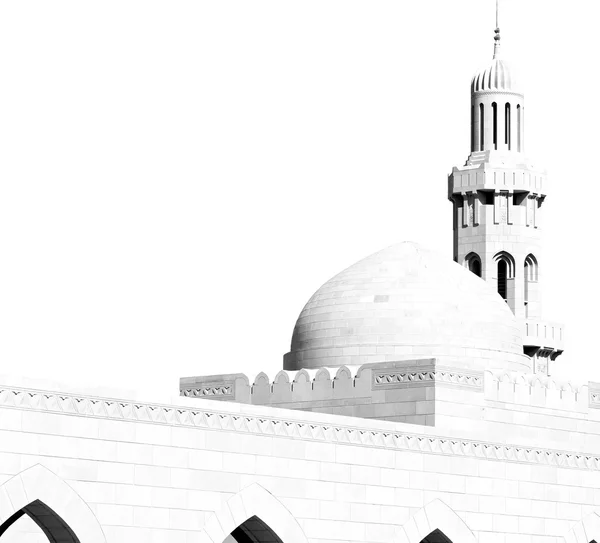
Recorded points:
(51, 503)
(531, 268)
(586, 530)
(253, 506)
(505, 270)
(473, 263)
(439, 520)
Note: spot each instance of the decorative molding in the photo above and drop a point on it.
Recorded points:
(218, 390)
(394, 378)
(210, 419)
(488, 92)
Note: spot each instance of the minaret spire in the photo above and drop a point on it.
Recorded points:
(497, 31)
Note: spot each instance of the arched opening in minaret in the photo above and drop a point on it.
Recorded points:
(495, 125)
(437, 536)
(502, 276)
(531, 276)
(519, 128)
(505, 271)
(481, 127)
(507, 127)
(472, 128)
(254, 530)
(473, 263)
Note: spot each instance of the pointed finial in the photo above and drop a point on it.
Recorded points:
(497, 33)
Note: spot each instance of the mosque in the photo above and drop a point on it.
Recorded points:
(416, 403)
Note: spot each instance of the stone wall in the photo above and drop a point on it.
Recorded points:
(118, 470)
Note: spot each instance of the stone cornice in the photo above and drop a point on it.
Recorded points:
(211, 419)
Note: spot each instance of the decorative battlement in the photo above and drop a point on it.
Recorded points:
(536, 390)
(400, 391)
(414, 391)
(480, 175)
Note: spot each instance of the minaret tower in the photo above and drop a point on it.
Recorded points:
(497, 197)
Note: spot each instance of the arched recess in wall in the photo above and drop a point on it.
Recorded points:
(473, 263)
(530, 273)
(435, 523)
(51, 503)
(253, 515)
(505, 270)
(586, 530)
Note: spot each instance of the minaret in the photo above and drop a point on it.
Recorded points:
(497, 197)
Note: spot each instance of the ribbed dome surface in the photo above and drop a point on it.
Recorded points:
(402, 303)
(496, 76)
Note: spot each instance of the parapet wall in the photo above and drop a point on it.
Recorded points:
(415, 391)
(397, 391)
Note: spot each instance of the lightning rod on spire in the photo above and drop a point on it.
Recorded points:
(497, 32)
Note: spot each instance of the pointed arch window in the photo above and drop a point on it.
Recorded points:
(473, 263)
(531, 276)
(505, 266)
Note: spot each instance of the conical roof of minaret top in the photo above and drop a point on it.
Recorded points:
(496, 76)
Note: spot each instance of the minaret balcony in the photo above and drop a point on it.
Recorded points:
(543, 335)
(497, 175)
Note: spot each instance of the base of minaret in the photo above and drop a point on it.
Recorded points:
(543, 342)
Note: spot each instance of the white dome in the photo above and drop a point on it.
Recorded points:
(497, 76)
(404, 303)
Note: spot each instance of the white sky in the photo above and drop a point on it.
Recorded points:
(177, 178)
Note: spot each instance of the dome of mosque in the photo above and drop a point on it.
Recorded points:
(405, 303)
(497, 76)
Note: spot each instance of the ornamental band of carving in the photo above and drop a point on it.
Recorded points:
(407, 378)
(198, 418)
(219, 390)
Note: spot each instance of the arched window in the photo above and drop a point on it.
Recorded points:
(507, 126)
(519, 128)
(502, 277)
(530, 275)
(505, 271)
(473, 263)
(481, 128)
(531, 268)
(495, 124)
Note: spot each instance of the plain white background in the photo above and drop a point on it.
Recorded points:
(177, 178)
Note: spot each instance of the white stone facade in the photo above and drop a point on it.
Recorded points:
(517, 466)
(413, 407)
